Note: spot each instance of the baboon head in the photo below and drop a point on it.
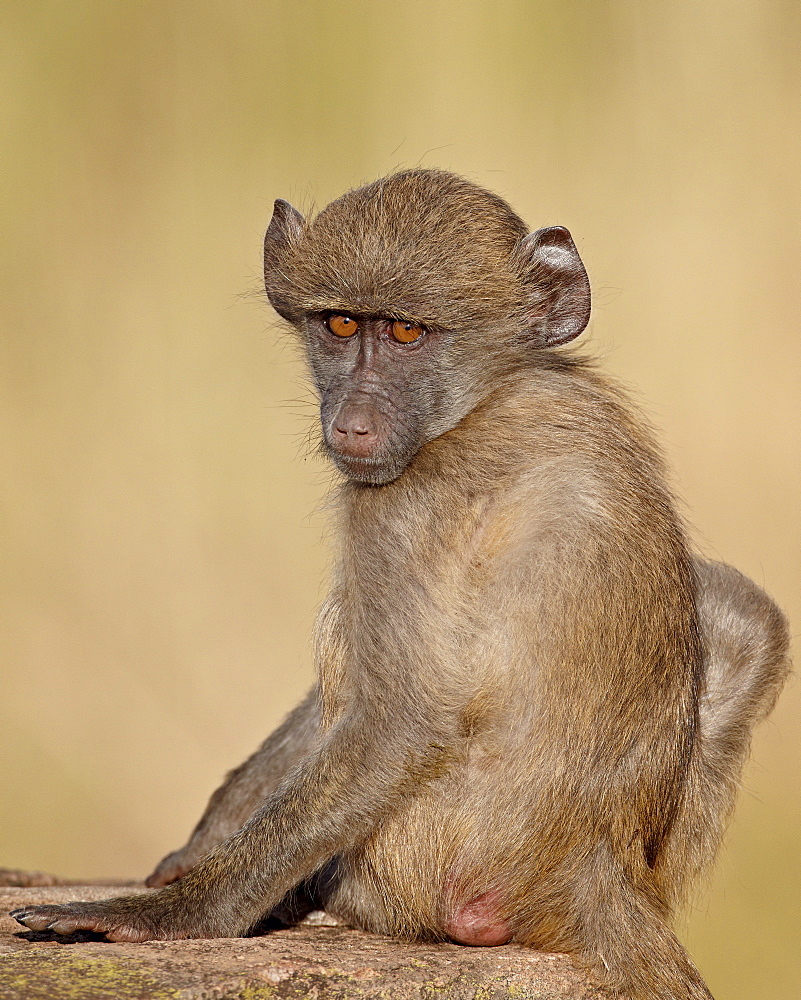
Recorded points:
(414, 295)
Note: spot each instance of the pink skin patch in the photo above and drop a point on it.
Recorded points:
(479, 923)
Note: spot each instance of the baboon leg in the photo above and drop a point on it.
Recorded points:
(746, 662)
(245, 789)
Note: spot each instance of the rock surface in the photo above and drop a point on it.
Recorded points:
(311, 960)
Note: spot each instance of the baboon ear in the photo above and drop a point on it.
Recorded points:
(286, 227)
(556, 286)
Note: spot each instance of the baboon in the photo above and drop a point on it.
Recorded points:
(533, 703)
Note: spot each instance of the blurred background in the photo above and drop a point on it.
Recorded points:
(163, 548)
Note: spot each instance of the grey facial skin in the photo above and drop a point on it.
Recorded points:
(380, 399)
(533, 702)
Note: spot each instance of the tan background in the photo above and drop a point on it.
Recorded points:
(161, 556)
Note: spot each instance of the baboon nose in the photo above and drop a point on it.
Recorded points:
(355, 430)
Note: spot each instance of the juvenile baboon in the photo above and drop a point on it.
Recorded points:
(533, 704)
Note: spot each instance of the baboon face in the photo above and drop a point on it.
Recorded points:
(383, 390)
(414, 295)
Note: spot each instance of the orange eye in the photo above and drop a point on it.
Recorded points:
(342, 326)
(406, 333)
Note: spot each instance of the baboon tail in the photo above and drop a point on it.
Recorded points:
(625, 939)
(638, 957)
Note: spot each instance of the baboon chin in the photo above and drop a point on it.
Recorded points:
(533, 702)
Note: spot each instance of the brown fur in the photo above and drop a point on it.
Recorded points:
(533, 704)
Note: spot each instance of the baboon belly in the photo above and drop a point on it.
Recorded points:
(432, 868)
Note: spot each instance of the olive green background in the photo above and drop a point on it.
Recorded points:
(163, 545)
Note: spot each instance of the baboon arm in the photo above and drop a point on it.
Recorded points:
(329, 801)
(245, 789)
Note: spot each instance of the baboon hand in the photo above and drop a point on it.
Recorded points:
(127, 918)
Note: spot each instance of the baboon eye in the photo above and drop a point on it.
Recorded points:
(405, 332)
(342, 326)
